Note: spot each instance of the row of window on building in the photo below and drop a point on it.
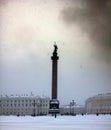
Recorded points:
(4, 100)
(22, 105)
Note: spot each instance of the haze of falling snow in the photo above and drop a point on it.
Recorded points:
(28, 30)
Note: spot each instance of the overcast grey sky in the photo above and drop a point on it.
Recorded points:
(81, 28)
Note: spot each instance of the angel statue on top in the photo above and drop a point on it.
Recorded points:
(55, 48)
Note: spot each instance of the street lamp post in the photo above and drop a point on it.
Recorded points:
(34, 105)
(73, 106)
(34, 108)
(70, 107)
(38, 105)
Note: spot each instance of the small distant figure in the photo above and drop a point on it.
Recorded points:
(55, 48)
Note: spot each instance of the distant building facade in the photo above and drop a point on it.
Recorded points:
(24, 106)
(70, 110)
(99, 104)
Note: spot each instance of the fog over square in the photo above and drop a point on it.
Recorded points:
(81, 29)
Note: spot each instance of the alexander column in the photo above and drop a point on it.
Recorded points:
(54, 72)
(54, 103)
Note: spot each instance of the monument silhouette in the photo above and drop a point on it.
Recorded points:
(54, 103)
(54, 72)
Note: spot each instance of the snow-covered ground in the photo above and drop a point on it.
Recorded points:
(87, 122)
